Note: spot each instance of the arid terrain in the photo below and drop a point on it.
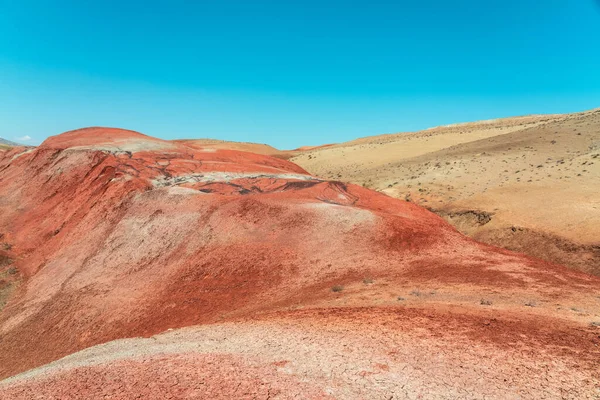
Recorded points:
(529, 184)
(256, 148)
(7, 144)
(133, 267)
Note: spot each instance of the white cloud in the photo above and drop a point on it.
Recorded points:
(24, 138)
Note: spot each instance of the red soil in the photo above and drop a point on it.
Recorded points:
(95, 137)
(119, 235)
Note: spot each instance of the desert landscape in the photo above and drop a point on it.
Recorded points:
(317, 199)
(529, 184)
(135, 267)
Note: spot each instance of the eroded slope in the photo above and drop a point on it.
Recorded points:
(296, 283)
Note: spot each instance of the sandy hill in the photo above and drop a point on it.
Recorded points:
(256, 148)
(528, 184)
(132, 267)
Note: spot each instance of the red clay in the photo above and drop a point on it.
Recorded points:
(119, 235)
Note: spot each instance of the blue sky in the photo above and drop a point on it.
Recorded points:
(290, 73)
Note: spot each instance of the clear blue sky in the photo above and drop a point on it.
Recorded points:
(290, 73)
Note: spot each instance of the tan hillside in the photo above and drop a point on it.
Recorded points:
(530, 184)
(257, 148)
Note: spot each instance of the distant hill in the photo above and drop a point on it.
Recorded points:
(256, 148)
(4, 142)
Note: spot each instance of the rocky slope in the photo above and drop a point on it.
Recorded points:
(162, 270)
(528, 184)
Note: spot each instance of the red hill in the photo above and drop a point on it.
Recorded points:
(287, 284)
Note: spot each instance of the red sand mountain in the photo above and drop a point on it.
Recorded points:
(288, 284)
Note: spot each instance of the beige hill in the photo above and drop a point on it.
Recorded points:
(530, 184)
(256, 148)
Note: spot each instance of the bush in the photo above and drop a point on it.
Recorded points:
(5, 260)
(337, 288)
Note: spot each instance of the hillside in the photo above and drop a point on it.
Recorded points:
(7, 144)
(528, 184)
(256, 148)
(159, 270)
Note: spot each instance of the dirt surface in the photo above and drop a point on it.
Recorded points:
(241, 275)
(380, 353)
(536, 179)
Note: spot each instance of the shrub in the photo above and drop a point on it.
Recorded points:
(337, 288)
(5, 260)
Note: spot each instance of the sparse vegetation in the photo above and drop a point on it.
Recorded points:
(485, 302)
(368, 281)
(400, 298)
(5, 260)
(337, 288)
(531, 304)
(528, 153)
(416, 293)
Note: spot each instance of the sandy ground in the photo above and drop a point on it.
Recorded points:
(529, 184)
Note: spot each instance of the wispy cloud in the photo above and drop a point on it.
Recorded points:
(24, 138)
